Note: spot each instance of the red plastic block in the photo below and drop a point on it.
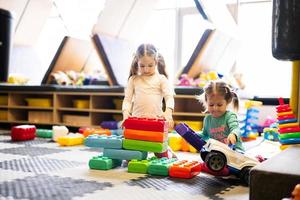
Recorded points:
(289, 130)
(146, 124)
(185, 169)
(23, 132)
(284, 117)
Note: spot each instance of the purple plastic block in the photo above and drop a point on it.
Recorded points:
(109, 125)
(190, 136)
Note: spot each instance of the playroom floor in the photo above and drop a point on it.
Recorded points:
(41, 169)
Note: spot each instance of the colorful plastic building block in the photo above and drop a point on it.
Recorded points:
(145, 135)
(175, 141)
(71, 139)
(146, 124)
(44, 133)
(59, 131)
(98, 131)
(160, 166)
(112, 125)
(190, 136)
(185, 169)
(104, 141)
(139, 166)
(104, 163)
(23, 132)
(145, 145)
(119, 131)
(123, 154)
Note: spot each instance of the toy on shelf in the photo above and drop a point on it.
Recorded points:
(23, 132)
(250, 123)
(289, 130)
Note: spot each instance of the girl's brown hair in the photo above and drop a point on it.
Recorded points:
(149, 50)
(223, 89)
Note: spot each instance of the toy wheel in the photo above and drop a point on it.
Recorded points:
(215, 161)
(245, 175)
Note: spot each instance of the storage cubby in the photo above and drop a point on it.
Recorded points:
(77, 101)
(76, 107)
(17, 115)
(97, 118)
(188, 104)
(3, 99)
(31, 100)
(70, 118)
(104, 102)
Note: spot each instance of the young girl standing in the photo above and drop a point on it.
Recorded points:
(148, 86)
(220, 123)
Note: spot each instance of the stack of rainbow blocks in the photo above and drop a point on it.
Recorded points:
(289, 130)
(141, 135)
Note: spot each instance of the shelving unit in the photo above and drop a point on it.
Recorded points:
(91, 107)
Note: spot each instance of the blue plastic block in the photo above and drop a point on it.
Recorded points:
(104, 141)
(123, 154)
(190, 136)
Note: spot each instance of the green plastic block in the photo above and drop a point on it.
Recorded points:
(289, 135)
(103, 163)
(160, 166)
(140, 145)
(44, 133)
(139, 166)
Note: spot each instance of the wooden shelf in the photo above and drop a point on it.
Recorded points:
(98, 106)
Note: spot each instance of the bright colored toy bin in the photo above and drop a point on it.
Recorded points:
(81, 104)
(39, 102)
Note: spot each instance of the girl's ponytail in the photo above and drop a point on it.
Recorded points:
(161, 65)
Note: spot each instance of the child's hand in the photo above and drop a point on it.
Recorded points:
(168, 116)
(231, 138)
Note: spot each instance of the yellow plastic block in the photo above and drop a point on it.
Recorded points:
(195, 125)
(71, 139)
(175, 141)
(81, 104)
(39, 102)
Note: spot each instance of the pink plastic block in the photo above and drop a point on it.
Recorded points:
(23, 132)
(146, 124)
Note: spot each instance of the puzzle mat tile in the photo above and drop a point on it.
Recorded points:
(137, 193)
(5, 156)
(35, 141)
(31, 151)
(73, 155)
(116, 176)
(55, 145)
(44, 187)
(37, 165)
(234, 193)
(202, 184)
(8, 175)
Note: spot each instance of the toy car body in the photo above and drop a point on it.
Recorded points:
(218, 155)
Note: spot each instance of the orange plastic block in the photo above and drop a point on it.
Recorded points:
(98, 131)
(145, 135)
(185, 169)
